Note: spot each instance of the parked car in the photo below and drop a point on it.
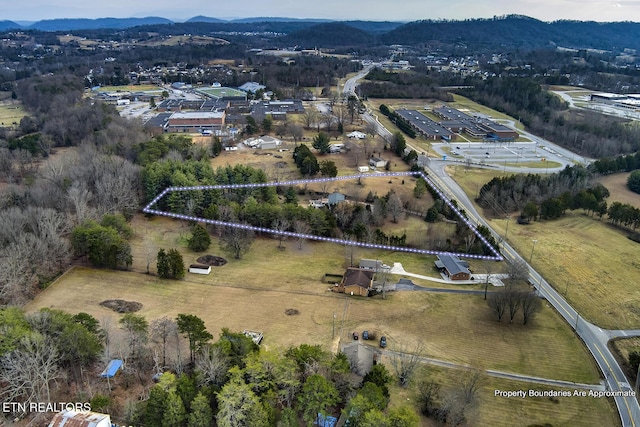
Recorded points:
(355, 336)
(383, 342)
(365, 335)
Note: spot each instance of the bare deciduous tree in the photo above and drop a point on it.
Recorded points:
(280, 225)
(301, 227)
(460, 400)
(512, 296)
(498, 304)
(79, 197)
(162, 330)
(29, 370)
(236, 240)
(213, 366)
(530, 303)
(518, 270)
(394, 206)
(405, 363)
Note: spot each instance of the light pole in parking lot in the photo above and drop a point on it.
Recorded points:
(532, 249)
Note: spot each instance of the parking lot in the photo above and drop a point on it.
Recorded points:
(511, 153)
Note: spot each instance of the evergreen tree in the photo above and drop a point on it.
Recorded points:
(174, 412)
(239, 406)
(321, 143)
(195, 331)
(317, 395)
(200, 239)
(154, 409)
(201, 415)
(252, 127)
(176, 264)
(633, 182)
(267, 124)
(328, 168)
(164, 270)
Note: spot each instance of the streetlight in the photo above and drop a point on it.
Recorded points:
(532, 248)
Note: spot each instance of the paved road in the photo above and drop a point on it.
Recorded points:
(593, 337)
(498, 374)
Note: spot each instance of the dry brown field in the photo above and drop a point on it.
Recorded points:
(580, 256)
(255, 291)
(508, 412)
(617, 186)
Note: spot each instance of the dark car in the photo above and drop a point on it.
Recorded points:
(355, 336)
(383, 342)
(365, 335)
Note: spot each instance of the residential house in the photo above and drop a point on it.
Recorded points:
(80, 419)
(356, 281)
(453, 267)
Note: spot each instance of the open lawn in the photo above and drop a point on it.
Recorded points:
(617, 186)
(590, 260)
(11, 112)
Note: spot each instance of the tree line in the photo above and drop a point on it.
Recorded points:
(386, 84)
(229, 382)
(586, 132)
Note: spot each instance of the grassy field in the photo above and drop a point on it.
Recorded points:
(468, 106)
(500, 411)
(617, 186)
(11, 112)
(254, 292)
(580, 256)
(131, 88)
(537, 165)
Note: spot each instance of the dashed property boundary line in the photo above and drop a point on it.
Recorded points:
(150, 210)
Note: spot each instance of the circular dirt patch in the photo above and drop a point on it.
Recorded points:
(122, 306)
(213, 260)
(291, 312)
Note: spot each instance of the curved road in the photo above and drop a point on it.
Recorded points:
(593, 337)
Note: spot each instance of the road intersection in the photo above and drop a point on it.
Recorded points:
(594, 338)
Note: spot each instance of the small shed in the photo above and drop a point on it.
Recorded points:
(377, 162)
(335, 198)
(363, 169)
(80, 419)
(199, 269)
(112, 368)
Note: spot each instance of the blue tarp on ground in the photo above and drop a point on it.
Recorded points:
(112, 368)
(327, 421)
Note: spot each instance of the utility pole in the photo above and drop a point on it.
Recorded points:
(333, 328)
(532, 249)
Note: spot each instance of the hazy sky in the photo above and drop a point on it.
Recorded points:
(395, 10)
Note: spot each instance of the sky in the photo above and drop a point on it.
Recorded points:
(375, 10)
